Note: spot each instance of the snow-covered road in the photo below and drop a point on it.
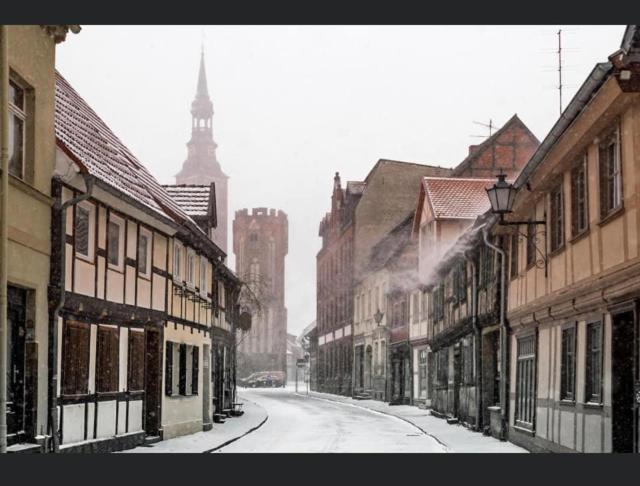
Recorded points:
(298, 423)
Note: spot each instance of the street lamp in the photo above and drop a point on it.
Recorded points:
(502, 195)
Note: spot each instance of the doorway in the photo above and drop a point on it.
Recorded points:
(153, 382)
(623, 403)
(16, 335)
(457, 377)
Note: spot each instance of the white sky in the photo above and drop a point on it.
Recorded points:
(294, 104)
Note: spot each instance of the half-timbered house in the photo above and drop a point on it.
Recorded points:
(134, 294)
(575, 282)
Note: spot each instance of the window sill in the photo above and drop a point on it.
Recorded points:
(614, 214)
(525, 430)
(595, 405)
(583, 234)
(86, 258)
(29, 189)
(115, 268)
(146, 276)
(565, 402)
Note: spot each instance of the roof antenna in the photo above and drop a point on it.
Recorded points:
(489, 125)
(560, 67)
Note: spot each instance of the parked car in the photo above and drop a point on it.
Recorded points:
(267, 379)
(245, 382)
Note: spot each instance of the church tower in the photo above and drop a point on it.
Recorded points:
(201, 166)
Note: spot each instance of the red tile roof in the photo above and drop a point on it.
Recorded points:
(83, 135)
(457, 198)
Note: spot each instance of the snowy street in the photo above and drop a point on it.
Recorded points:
(298, 423)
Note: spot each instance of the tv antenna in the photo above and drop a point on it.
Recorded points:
(489, 125)
(560, 68)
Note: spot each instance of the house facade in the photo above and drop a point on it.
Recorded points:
(573, 289)
(31, 154)
(334, 290)
(136, 295)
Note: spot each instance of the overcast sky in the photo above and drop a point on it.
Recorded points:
(294, 104)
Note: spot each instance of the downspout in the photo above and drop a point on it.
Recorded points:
(476, 330)
(4, 201)
(61, 209)
(504, 332)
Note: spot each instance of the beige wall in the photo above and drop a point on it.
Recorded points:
(32, 57)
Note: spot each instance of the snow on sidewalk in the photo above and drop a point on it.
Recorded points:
(233, 428)
(457, 438)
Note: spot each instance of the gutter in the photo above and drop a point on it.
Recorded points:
(504, 333)
(58, 280)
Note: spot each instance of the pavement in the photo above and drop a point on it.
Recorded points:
(455, 437)
(220, 435)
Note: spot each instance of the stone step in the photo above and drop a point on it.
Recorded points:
(152, 439)
(219, 418)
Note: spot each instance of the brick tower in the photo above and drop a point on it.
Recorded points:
(201, 167)
(260, 244)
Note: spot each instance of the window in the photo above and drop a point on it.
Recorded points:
(181, 369)
(557, 218)
(107, 364)
(593, 391)
(443, 367)
(460, 283)
(203, 277)
(514, 255)
(75, 358)
(438, 303)
(17, 123)
(467, 362)
(115, 242)
(136, 360)
(610, 173)
(253, 237)
(416, 308)
(422, 373)
(177, 261)
(486, 266)
(144, 253)
(424, 306)
(525, 382)
(568, 364)
(531, 244)
(579, 200)
(84, 231)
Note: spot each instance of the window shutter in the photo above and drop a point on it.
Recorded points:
(168, 378)
(194, 370)
(604, 180)
(182, 385)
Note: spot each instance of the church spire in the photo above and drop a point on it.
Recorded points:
(202, 91)
(202, 107)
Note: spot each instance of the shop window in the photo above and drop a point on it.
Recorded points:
(181, 369)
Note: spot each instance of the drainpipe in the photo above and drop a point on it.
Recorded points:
(4, 200)
(504, 332)
(476, 330)
(60, 208)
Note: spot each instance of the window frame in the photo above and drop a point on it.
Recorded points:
(203, 286)
(120, 222)
(526, 367)
(22, 114)
(91, 243)
(557, 217)
(580, 166)
(144, 233)
(611, 136)
(178, 252)
(589, 394)
(568, 367)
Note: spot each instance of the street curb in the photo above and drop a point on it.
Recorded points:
(446, 447)
(226, 443)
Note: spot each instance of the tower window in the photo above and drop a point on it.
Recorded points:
(253, 237)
